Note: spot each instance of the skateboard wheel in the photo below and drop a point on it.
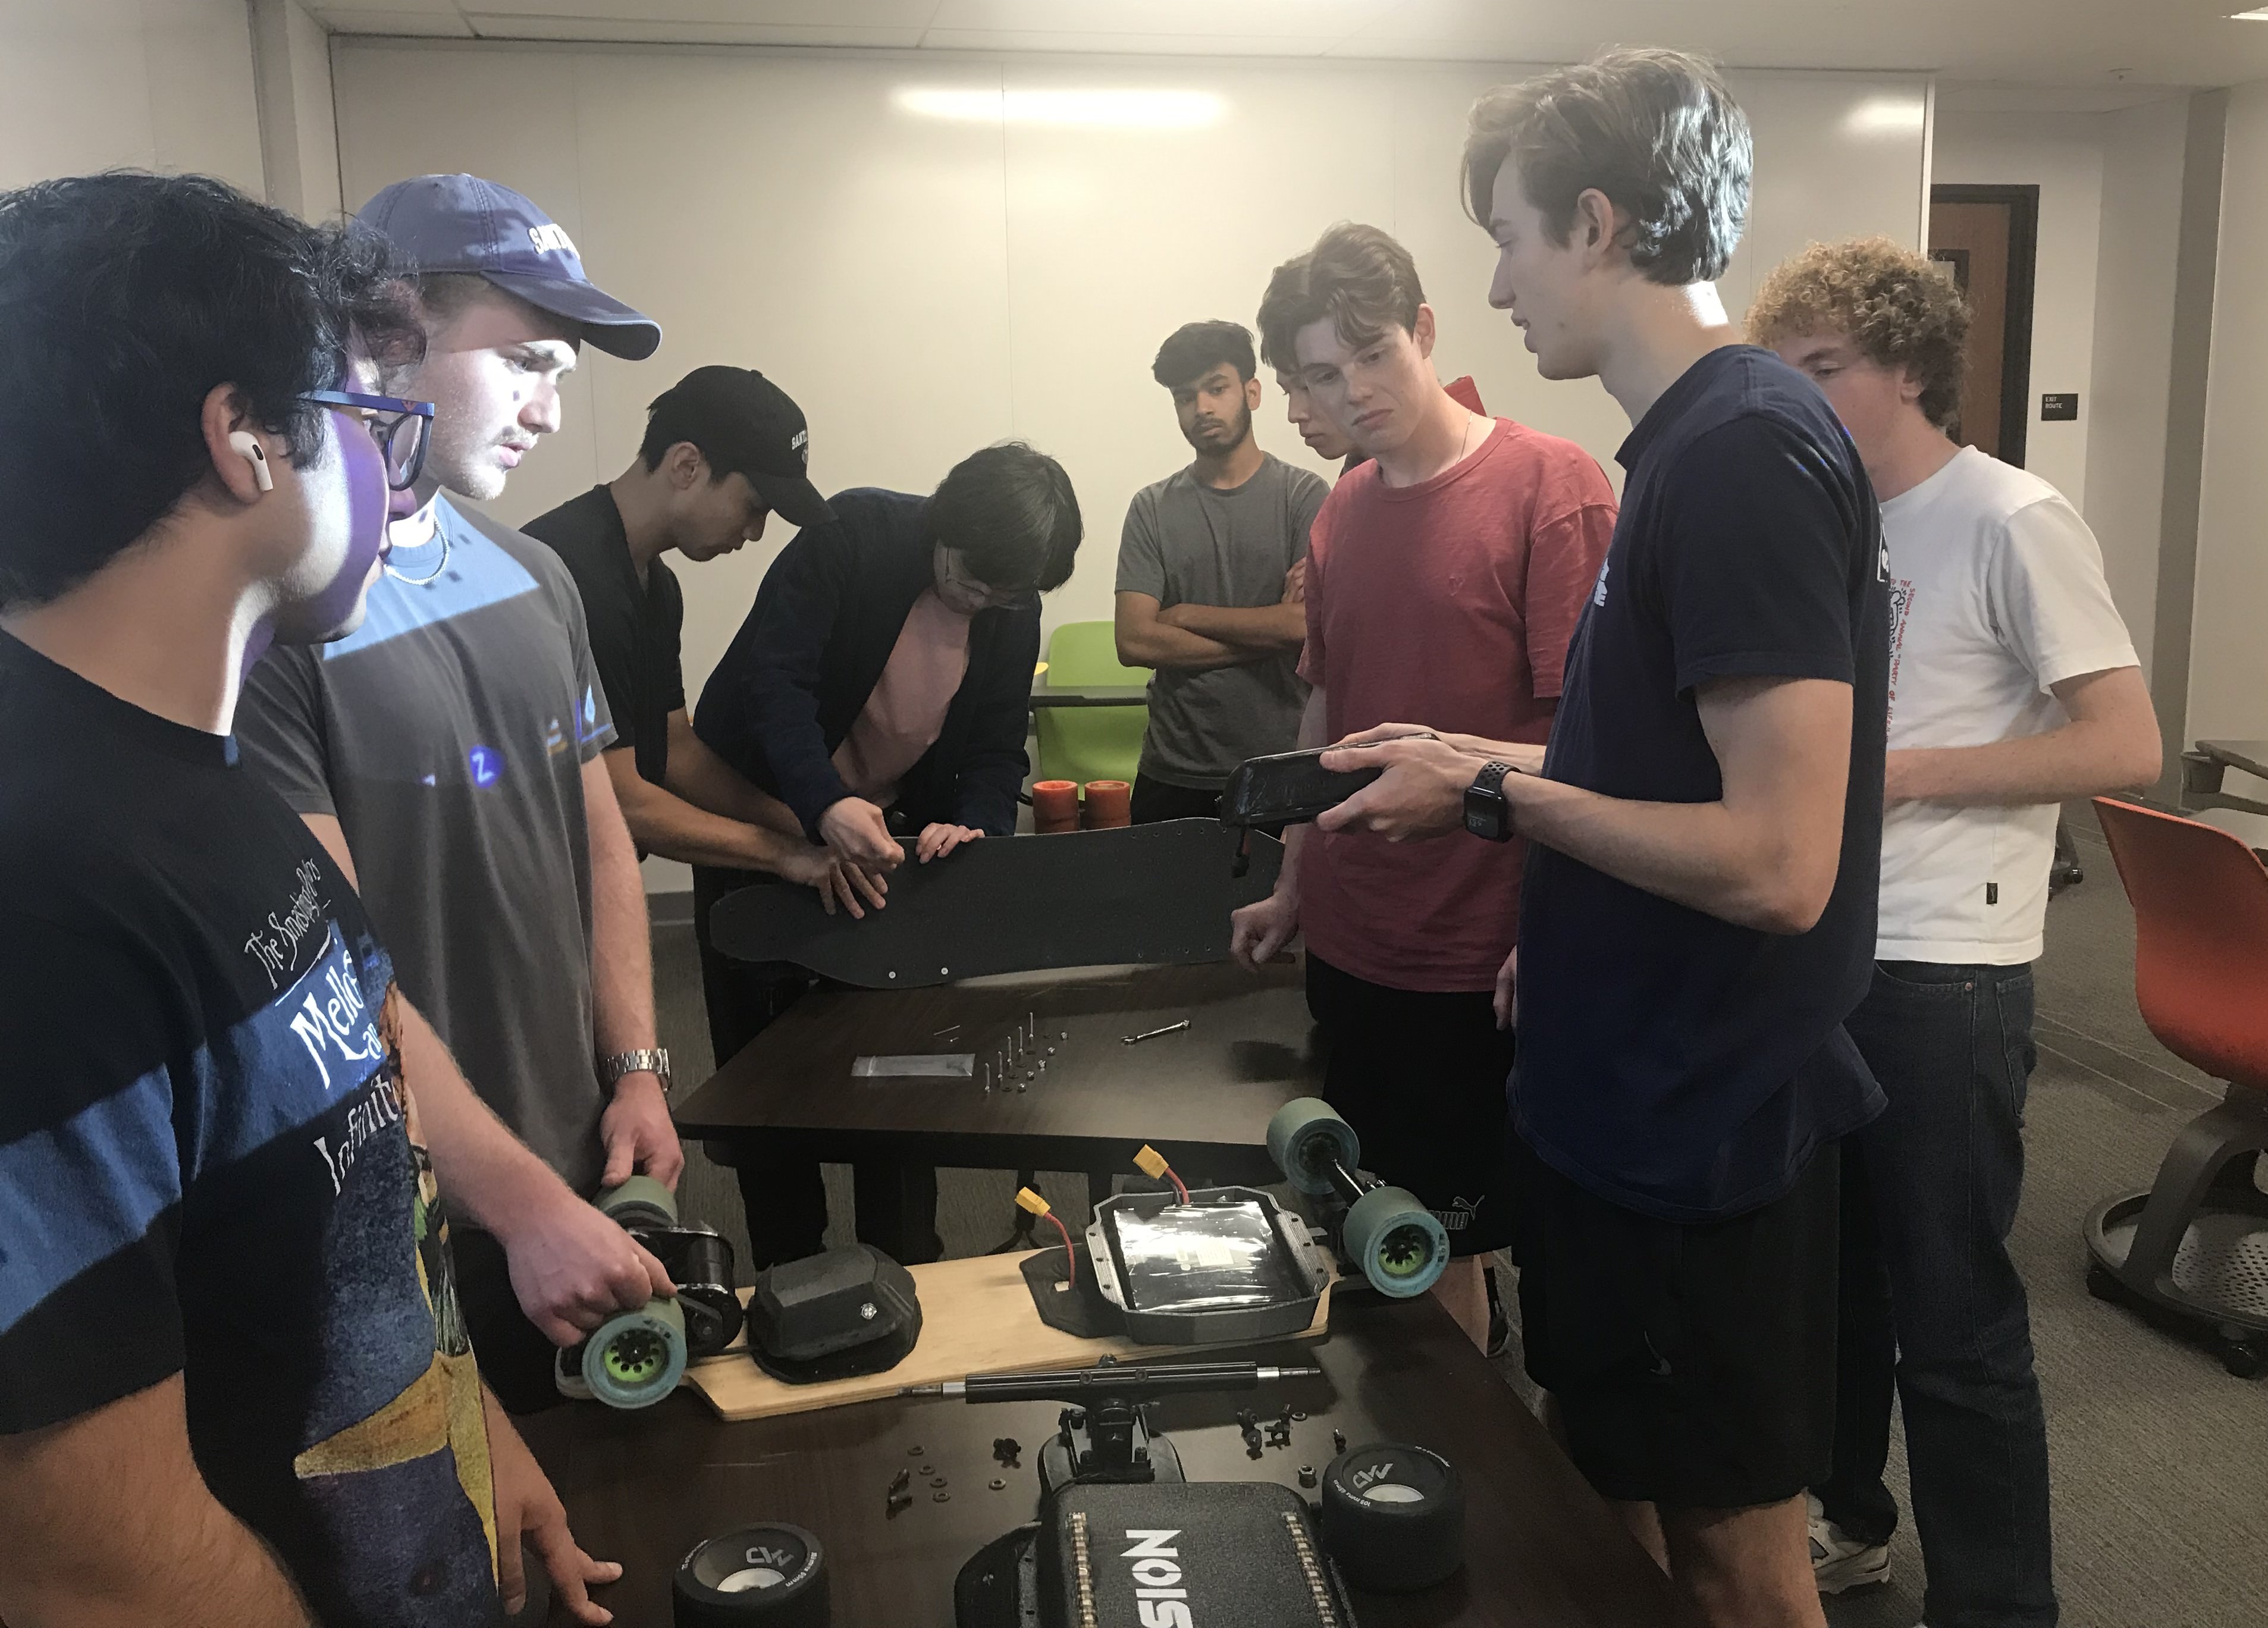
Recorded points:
(639, 1201)
(1394, 1517)
(773, 1574)
(1398, 1244)
(1305, 1135)
(637, 1357)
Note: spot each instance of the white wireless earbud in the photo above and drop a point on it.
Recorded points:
(246, 445)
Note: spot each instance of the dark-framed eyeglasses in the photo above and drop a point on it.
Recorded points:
(402, 430)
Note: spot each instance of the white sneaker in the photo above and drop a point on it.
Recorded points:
(1841, 1564)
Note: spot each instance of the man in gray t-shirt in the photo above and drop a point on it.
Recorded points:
(1209, 581)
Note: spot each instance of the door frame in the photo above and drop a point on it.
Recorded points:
(2024, 262)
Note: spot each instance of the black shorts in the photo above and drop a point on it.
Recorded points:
(1420, 1075)
(1694, 1365)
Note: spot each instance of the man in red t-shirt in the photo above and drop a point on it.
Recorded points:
(1445, 576)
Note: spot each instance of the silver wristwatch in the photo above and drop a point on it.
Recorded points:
(611, 1069)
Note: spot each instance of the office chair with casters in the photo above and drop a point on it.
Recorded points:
(2193, 1250)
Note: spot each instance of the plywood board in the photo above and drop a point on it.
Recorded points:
(976, 1318)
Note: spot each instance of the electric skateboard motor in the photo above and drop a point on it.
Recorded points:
(1394, 1241)
(635, 1358)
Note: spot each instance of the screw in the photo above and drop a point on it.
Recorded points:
(1063, 1034)
(1022, 1086)
(1339, 1442)
(1307, 1474)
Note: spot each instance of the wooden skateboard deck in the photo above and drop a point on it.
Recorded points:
(1141, 893)
(977, 1317)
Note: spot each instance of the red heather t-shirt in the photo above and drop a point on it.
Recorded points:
(1449, 604)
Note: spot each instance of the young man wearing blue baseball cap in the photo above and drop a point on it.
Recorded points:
(448, 755)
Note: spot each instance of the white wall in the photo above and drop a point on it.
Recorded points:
(924, 286)
(93, 84)
(291, 65)
(2143, 150)
(2229, 660)
(2062, 155)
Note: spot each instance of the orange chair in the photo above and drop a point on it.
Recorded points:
(2195, 1247)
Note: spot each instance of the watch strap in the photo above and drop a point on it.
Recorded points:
(654, 1061)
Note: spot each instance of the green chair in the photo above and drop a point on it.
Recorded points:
(1090, 743)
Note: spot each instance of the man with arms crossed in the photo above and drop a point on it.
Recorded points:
(1210, 584)
(1700, 913)
(238, 1388)
(725, 448)
(447, 754)
(2013, 687)
(1444, 580)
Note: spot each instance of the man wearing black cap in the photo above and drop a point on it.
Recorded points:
(724, 449)
(447, 755)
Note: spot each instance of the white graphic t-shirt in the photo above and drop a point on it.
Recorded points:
(1997, 595)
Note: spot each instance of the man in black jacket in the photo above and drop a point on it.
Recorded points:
(880, 688)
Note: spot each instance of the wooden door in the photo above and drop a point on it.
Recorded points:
(1985, 238)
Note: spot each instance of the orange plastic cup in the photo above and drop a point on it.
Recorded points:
(1109, 803)
(1055, 806)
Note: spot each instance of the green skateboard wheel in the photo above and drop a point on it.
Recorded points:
(637, 1357)
(1305, 1135)
(1400, 1245)
(639, 1201)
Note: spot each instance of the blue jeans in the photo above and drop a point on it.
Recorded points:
(1931, 1301)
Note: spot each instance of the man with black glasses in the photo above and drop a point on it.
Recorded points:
(239, 1388)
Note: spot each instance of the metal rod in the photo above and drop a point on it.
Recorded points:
(1153, 1034)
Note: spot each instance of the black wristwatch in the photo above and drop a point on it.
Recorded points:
(1487, 815)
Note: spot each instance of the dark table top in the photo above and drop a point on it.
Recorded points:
(1541, 1548)
(1206, 1091)
(2251, 756)
(1046, 694)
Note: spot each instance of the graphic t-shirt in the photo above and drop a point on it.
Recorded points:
(209, 1163)
(1448, 603)
(1671, 1061)
(1189, 543)
(636, 628)
(448, 736)
(1996, 595)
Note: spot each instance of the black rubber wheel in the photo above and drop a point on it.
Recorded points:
(1394, 1517)
(2104, 1285)
(2244, 1359)
(773, 1574)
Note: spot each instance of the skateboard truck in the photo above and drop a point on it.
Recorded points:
(1385, 1233)
(1107, 1436)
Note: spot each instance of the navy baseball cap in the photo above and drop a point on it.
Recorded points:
(462, 222)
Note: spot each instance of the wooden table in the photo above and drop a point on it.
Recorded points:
(1201, 1096)
(1541, 1548)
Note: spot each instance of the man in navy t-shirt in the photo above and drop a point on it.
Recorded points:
(1698, 915)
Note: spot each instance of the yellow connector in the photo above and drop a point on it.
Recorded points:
(1150, 1162)
(1031, 1201)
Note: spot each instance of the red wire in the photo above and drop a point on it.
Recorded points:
(1070, 1258)
(1176, 1181)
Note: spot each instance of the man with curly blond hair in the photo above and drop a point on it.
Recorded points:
(2013, 686)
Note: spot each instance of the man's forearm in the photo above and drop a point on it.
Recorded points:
(699, 775)
(1158, 644)
(1262, 629)
(622, 945)
(2080, 759)
(662, 822)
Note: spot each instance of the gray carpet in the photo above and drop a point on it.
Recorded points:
(2160, 1458)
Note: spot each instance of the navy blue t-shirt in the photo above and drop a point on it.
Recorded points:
(1670, 1061)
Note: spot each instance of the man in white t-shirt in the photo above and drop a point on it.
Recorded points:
(2014, 686)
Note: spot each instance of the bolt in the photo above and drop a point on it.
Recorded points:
(1022, 1086)
(1063, 1034)
(1051, 1051)
(1339, 1442)
(900, 1482)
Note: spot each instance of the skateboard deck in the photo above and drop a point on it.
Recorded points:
(1141, 893)
(977, 1317)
